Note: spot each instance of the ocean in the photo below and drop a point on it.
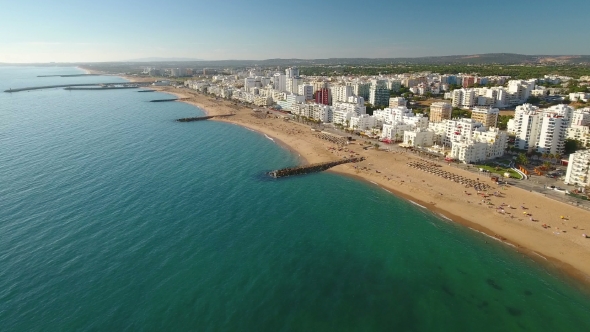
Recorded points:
(115, 217)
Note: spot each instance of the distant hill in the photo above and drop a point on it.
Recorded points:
(162, 60)
(473, 59)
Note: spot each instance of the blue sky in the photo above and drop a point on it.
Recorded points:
(66, 30)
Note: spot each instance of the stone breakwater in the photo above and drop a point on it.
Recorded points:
(313, 168)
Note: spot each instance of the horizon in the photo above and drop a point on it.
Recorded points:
(173, 59)
(64, 32)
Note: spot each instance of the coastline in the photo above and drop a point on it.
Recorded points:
(563, 252)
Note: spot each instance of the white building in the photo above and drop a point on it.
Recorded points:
(293, 84)
(579, 133)
(340, 93)
(521, 89)
(280, 82)
(354, 104)
(342, 116)
(418, 138)
(314, 111)
(363, 122)
(578, 169)
(581, 117)
(292, 72)
(542, 130)
(395, 131)
(393, 115)
(306, 91)
(397, 101)
(583, 96)
(483, 145)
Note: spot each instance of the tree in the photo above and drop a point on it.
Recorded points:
(572, 145)
(551, 156)
(503, 121)
(533, 100)
(522, 159)
(545, 155)
(547, 165)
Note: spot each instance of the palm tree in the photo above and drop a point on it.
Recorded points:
(551, 156)
(547, 165)
(522, 159)
(545, 155)
(557, 157)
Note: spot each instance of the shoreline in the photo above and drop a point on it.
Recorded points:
(565, 255)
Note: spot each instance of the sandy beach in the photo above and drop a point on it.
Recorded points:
(548, 231)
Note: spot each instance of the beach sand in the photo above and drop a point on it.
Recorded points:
(561, 244)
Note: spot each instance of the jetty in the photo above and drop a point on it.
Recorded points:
(146, 91)
(164, 100)
(69, 85)
(70, 75)
(313, 168)
(201, 118)
(101, 88)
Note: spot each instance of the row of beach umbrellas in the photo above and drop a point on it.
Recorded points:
(435, 170)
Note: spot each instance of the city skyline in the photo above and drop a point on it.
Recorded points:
(112, 31)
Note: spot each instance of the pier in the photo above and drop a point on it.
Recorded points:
(71, 75)
(101, 88)
(164, 100)
(69, 86)
(201, 118)
(146, 91)
(313, 168)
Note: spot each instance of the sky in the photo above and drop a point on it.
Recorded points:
(107, 30)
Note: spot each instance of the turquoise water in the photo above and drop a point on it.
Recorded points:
(114, 217)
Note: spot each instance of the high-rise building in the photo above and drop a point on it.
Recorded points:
(292, 72)
(487, 116)
(305, 90)
(541, 130)
(293, 84)
(578, 169)
(378, 93)
(340, 93)
(280, 82)
(322, 96)
(440, 111)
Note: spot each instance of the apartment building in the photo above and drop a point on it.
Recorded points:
(578, 169)
(539, 130)
(440, 111)
(487, 116)
(397, 101)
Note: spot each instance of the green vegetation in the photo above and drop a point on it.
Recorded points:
(503, 121)
(573, 86)
(500, 170)
(403, 91)
(514, 71)
(572, 145)
(460, 113)
(522, 159)
(578, 196)
(371, 108)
